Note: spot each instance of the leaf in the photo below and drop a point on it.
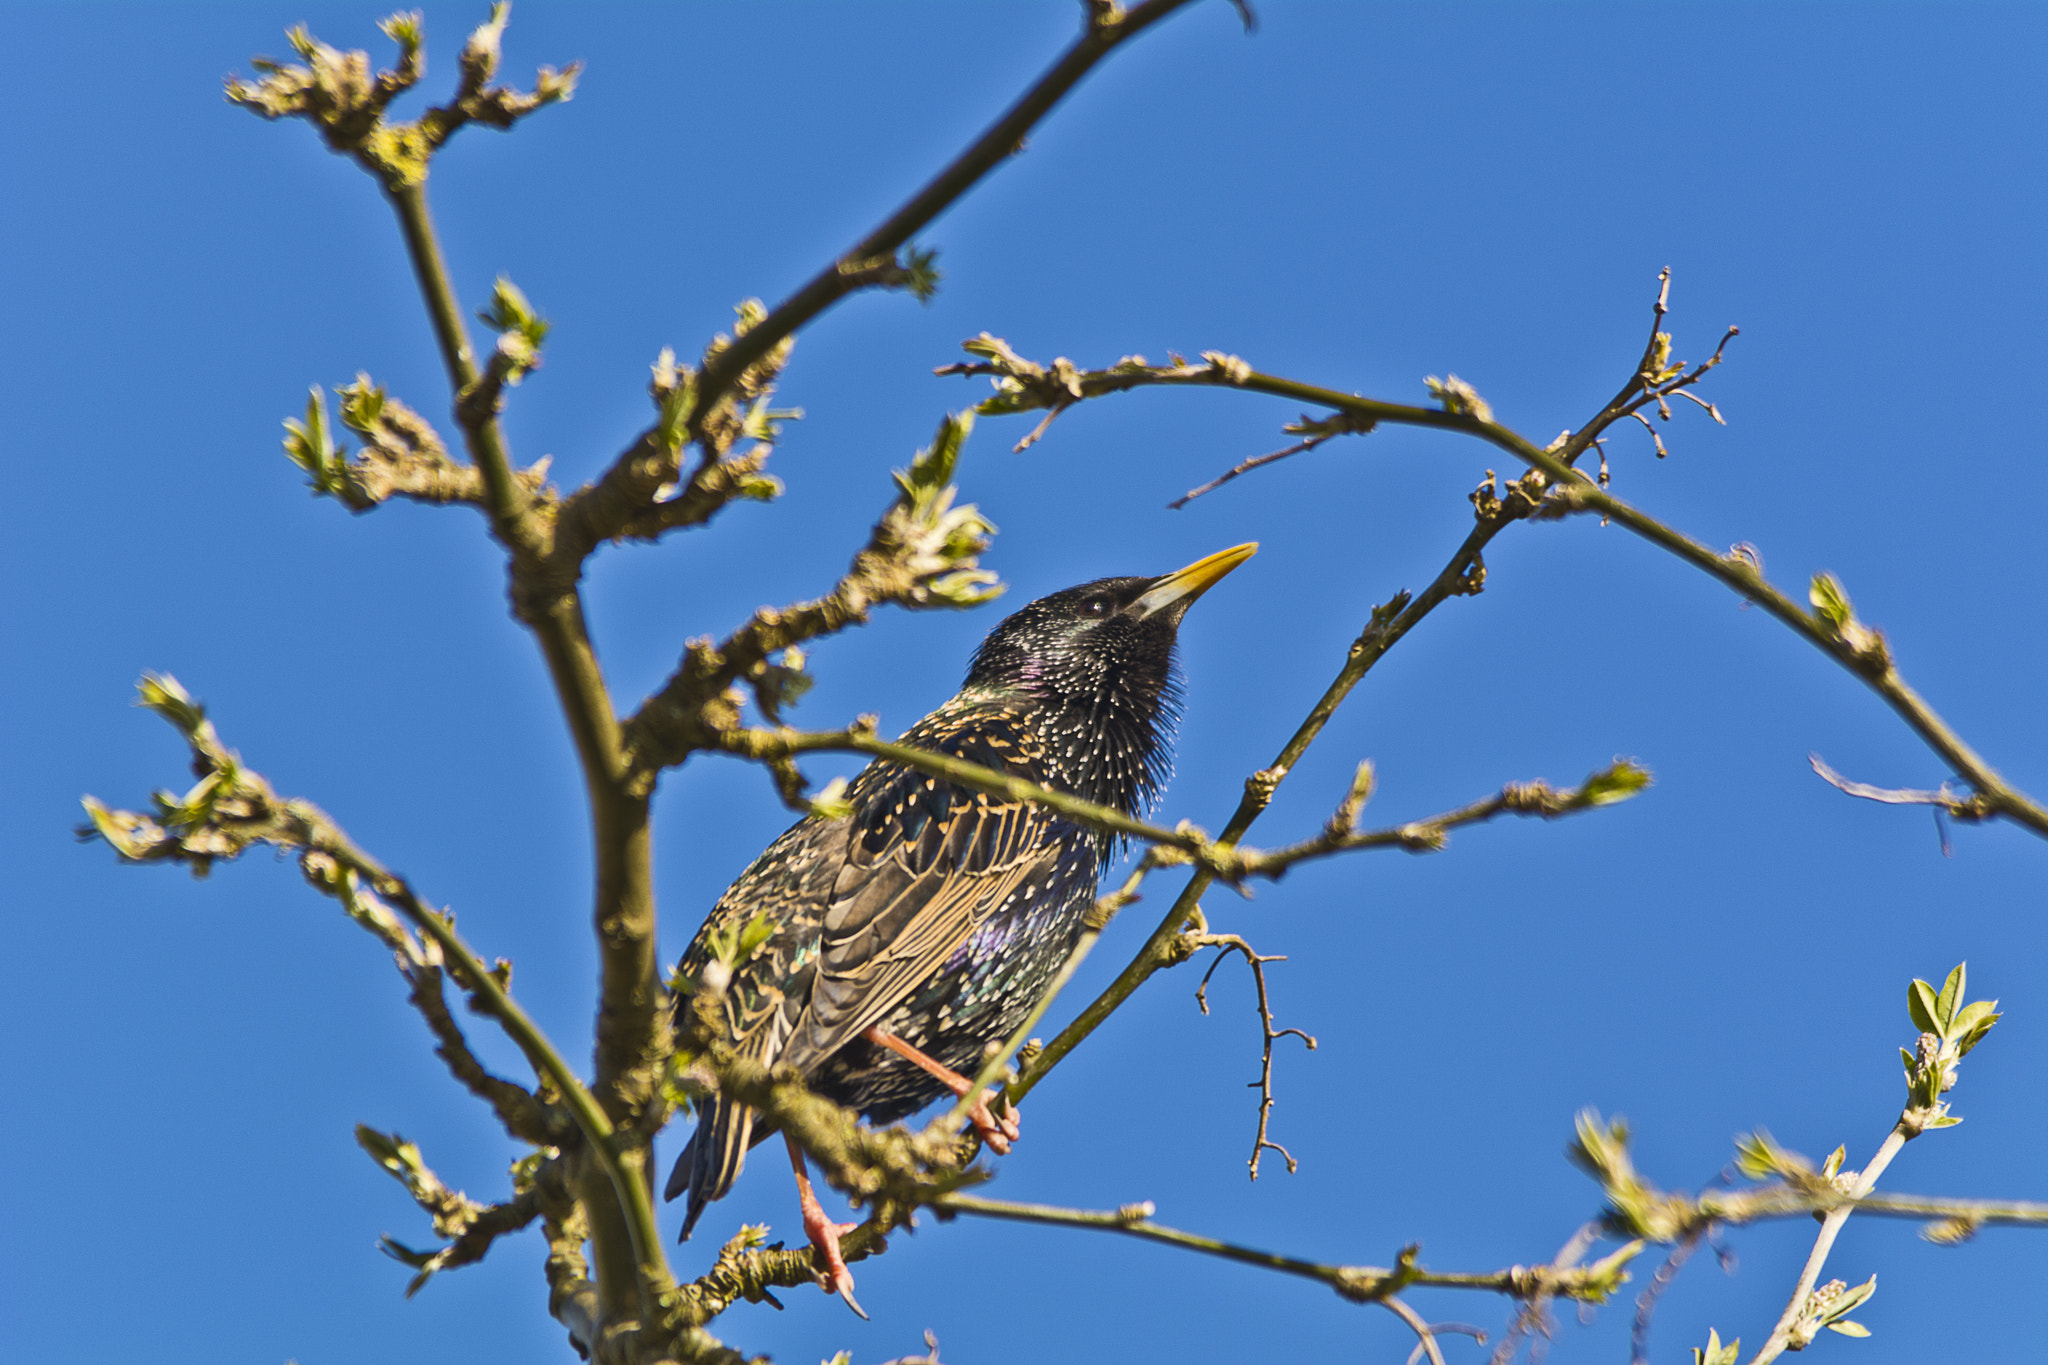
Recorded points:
(1849, 1329)
(1716, 1353)
(831, 803)
(1849, 1301)
(921, 274)
(758, 931)
(1758, 1155)
(1972, 1022)
(1617, 782)
(1951, 998)
(1920, 1006)
(1829, 600)
(931, 469)
(1975, 1035)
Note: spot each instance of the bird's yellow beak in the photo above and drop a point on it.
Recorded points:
(1176, 592)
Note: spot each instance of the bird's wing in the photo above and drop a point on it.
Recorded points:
(927, 864)
(787, 887)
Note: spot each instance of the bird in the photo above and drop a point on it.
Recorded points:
(921, 925)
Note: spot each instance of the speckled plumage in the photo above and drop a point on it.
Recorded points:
(936, 913)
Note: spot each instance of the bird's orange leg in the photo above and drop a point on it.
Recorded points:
(997, 1133)
(823, 1233)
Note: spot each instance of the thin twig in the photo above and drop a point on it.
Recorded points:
(1360, 1284)
(1107, 27)
(1646, 1302)
(1225, 944)
(1246, 467)
(1944, 797)
(1425, 1343)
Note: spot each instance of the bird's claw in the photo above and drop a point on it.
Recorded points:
(833, 1276)
(996, 1133)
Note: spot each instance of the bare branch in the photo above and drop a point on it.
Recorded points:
(1107, 27)
(1225, 944)
(1646, 1302)
(1426, 1332)
(1360, 1284)
(523, 1114)
(1945, 798)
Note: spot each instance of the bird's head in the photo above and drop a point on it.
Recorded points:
(1098, 660)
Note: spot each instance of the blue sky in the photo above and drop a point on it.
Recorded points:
(1357, 196)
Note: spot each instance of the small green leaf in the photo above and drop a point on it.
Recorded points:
(1951, 998)
(678, 404)
(509, 307)
(1849, 1329)
(1758, 1156)
(1975, 1017)
(931, 469)
(1716, 1353)
(831, 803)
(1969, 1038)
(309, 446)
(758, 931)
(403, 29)
(1848, 1302)
(1830, 600)
(1460, 397)
(921, 274)
(1920, 1006)
(1833, 1164)
(1617, 782)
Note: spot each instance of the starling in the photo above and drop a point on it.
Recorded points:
(919, 928)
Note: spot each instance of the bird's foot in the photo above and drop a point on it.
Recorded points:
(824, 1235)
(996, 1133)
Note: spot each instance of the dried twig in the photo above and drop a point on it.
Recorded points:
(1225, 944)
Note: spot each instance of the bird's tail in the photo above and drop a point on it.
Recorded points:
(714, 1158)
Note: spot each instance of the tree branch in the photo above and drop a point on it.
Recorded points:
(1226, 944)
(231, 809)
(620, 501)
(1554, 488)
(1107, 27)
(1563, 490)
(1360, 1284)
(923, 553)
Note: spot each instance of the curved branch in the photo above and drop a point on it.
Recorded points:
(1107, 27)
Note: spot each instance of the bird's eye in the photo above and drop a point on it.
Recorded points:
(1095, 608)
